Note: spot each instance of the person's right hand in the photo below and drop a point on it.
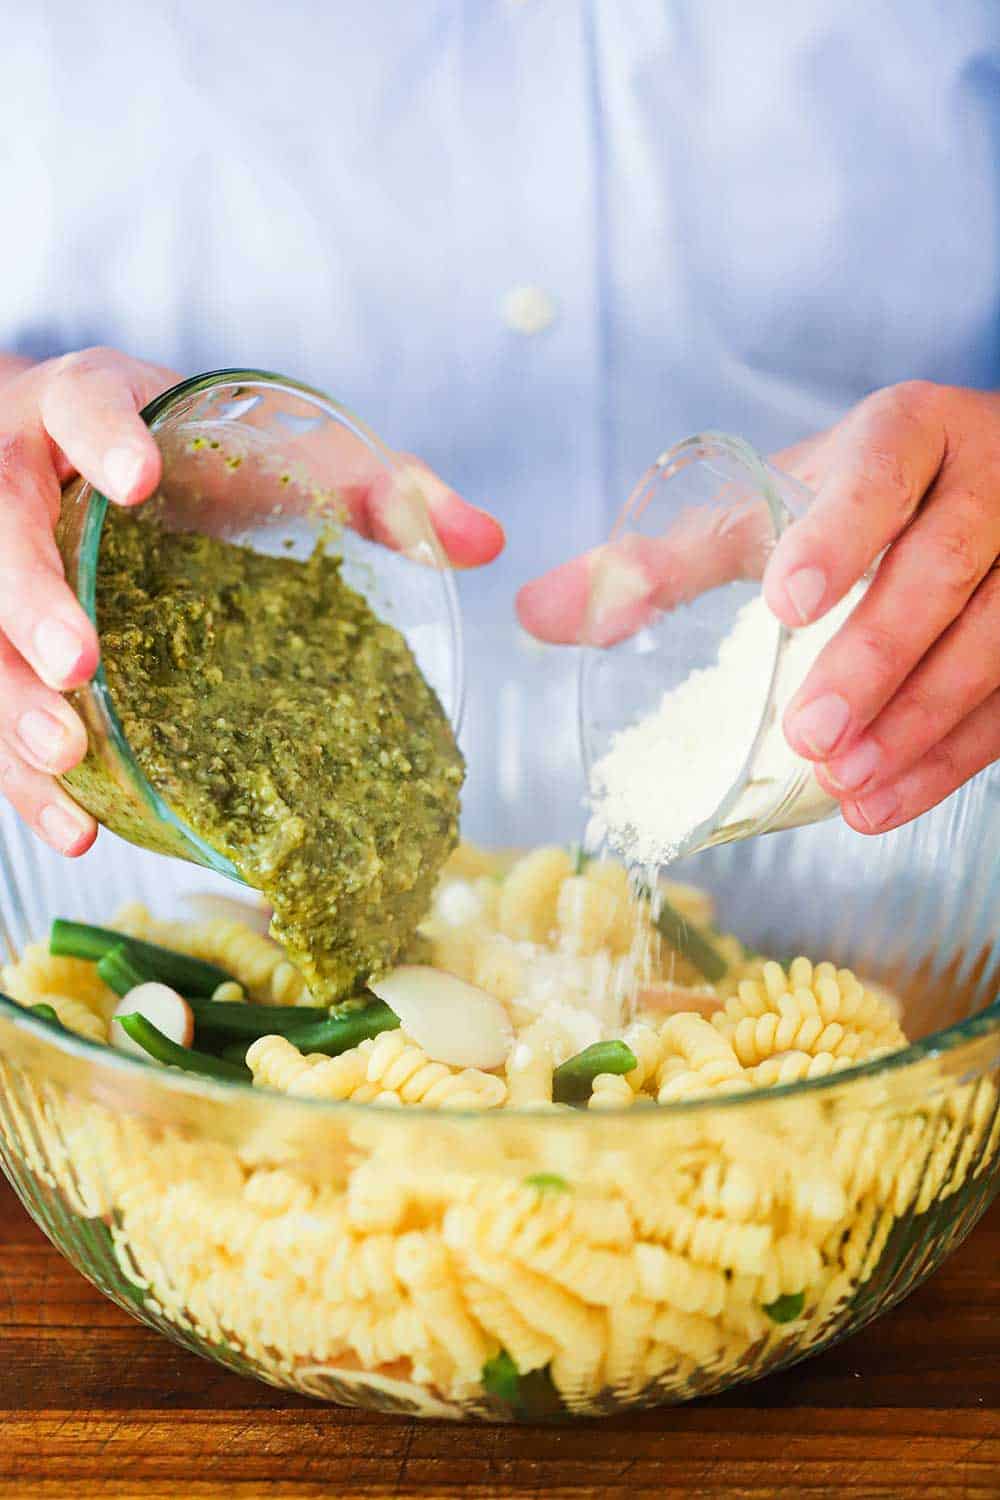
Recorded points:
(75, 414)
(80, 414)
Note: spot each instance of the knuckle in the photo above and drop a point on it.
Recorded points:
(95, 356)
(84, 362)
(884, 649)
(897, 434)
(920, 709)
(25, 575)
(941, 765)
(913, 397)
(885, 469)
(954, 561)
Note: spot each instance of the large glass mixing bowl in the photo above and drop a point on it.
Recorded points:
(536, 1266)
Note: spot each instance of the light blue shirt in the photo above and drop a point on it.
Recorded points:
(719, 214)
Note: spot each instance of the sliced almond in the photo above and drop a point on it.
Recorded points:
(211, 907)
(452, 1021)
(161, 1006)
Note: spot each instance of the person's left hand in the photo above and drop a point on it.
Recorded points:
(903, 705)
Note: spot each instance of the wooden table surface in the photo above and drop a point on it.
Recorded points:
(91, 1403)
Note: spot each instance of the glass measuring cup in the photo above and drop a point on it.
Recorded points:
(685, 556)
(269, 463)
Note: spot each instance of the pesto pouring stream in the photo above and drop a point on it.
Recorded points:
(290, 728)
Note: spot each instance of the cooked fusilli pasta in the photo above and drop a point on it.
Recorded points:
(602, 1264)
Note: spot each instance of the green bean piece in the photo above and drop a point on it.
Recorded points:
(501, 1378)
(345, 1030)
(195, 978)
(580, 860)
(787, 1308)
(690, 942)
(80, 940)
(151, 1039)
(119, 971)
(238, 1018)
(236, 1052)
(573, 1079)
(42, 1009)
(192, 977)
(532, 1396)
(294, 1023)
(45, 1012)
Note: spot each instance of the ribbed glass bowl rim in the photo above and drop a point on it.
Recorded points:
(948, 1041)
(86, 582)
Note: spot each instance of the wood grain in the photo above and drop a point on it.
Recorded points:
(92, 1403)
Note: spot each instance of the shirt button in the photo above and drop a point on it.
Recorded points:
(528, 309)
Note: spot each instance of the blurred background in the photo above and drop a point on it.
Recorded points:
(534, 243)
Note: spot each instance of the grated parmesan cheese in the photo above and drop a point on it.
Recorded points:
(666, 775)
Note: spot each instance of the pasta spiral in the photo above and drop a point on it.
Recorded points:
(696, 1058)
(276, 1063)
(530, 892)
(76, 1016)
(257, 962)
(611, 1091)
(792, 1067)
(389, 1069)
(38, 971)
(809, 1009)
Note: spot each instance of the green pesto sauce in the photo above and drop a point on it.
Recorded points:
(291, 729)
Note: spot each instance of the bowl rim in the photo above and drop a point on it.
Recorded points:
(941, 1043)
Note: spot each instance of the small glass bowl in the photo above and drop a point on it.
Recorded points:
(696, 532)
(271, 464)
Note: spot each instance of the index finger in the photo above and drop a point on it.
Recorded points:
(89, 405)
(878, 464)
(229, 482)
(610, 593)
(390, 510)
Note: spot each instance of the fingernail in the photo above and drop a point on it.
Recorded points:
(59, 648)
(616, 584)
(878, 809)
(122, 467)
(62, 829)
(821, 723)
(43, 735)
(805, 588)
(854, 769)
